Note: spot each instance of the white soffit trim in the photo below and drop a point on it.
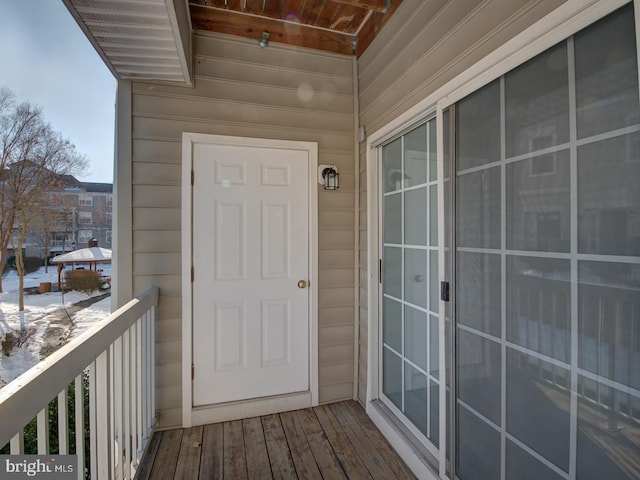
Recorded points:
(137, 39)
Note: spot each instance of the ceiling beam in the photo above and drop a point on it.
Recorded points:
(251, 26)
(376, 5)
(373, 27)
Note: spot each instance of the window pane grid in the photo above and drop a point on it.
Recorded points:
(556, 148)
(569, 302)
(408, 179)
(409, 304)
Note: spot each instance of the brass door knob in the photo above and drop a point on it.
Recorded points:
(302, 284)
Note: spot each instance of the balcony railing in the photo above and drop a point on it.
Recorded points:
(110, 370)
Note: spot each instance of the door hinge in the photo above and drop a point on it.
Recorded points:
(193, 274)
(193, 177)
(193, 371)
(380, 271)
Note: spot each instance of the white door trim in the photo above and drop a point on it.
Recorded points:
(191, 415)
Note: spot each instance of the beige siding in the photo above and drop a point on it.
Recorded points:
(429, 43)
(240, 89)
(424, 46)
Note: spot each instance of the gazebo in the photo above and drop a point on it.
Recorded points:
(91, 256)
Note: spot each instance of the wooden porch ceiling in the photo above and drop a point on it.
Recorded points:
(338, 26)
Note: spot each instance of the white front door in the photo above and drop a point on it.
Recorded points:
(250, 244)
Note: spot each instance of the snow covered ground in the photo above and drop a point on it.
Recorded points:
(33, 320)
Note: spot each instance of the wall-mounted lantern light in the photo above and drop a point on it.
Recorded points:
(329, 177)
(263, 41)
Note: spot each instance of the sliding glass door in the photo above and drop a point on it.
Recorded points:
(409, 282)
(541, 229)
(547, 264)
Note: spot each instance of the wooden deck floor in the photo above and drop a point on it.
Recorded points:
(336, 441)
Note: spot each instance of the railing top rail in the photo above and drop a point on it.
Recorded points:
(23, 398)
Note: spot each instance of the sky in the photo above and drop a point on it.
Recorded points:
(47, 60)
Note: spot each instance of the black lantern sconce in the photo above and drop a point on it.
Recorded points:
(329, 177)
(263, 41)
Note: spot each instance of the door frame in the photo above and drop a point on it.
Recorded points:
(245, 408)
(422, 121)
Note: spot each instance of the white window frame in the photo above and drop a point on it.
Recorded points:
(84, 216)
(58, 239)
(557, 26)
(424, 121)
(85, 199)
(81, 236)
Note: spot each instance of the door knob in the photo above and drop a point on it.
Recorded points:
(302, 284)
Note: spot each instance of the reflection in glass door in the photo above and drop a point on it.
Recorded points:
(547, 264)
(409, 359)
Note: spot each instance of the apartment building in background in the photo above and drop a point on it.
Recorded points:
(76, 213)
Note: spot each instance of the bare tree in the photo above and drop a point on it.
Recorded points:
(17, 122)
(33, 158)
(53, 220)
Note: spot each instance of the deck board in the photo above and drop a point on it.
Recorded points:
(336, 441)
(279, 454)
(301, 453)
(319, 443)
(188, 465)
(255, 449)
(235, 463)
(164, 467)
(360, 441)
(146, 464)
(351, 462)
(397, 466)
(212, 463)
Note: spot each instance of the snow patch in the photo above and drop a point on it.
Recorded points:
(34, 317)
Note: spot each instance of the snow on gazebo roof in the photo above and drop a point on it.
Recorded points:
(85, 255)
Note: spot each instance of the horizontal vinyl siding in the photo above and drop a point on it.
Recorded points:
(330, 81)
(278, 60)
(425, 45)
(242, 90)
(200, 109)
(408, 63)
(170, 129)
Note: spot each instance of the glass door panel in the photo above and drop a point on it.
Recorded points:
(410, 358)
(547, 264)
